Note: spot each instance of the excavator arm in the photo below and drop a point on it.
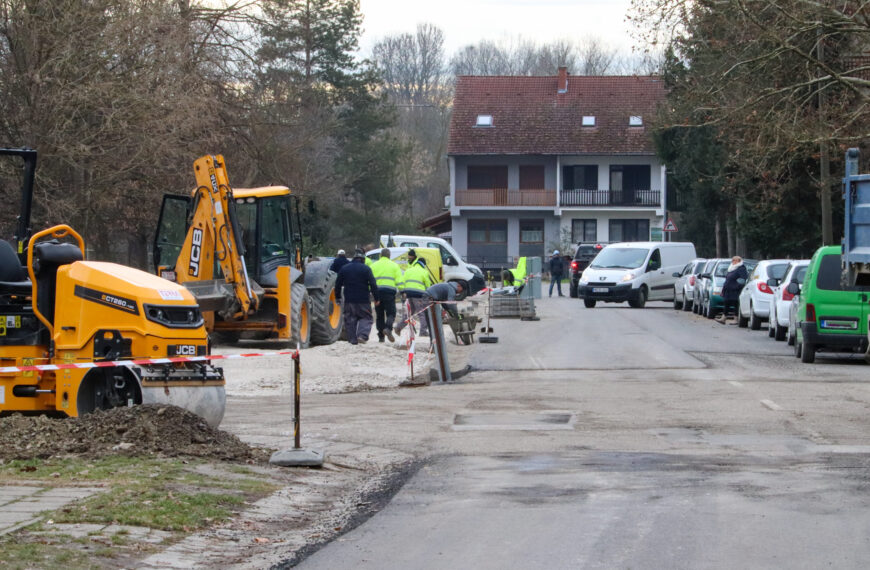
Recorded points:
(214, 235)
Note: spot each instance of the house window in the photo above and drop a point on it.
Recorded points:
(484, 121)
(629, 230)
(532, 231)
(487, 177)
(580, 177)
(532, 177)
(584, 231)
(629, 177)
(635, 121)
(487, 231)
(588, 121)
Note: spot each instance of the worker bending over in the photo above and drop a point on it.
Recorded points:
(444, 293)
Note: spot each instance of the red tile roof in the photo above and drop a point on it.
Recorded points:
(530, 117)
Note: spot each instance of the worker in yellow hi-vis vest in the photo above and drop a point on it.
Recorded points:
(516, 276)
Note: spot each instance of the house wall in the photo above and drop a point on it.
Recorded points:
(604, 163)
(513, 163)
(603, 218)
(512, 249)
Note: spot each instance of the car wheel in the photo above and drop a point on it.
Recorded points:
(769, 330)
(754, 321)
(641, 299)
(796, 346)
(789, 336)
(711, 312)
(678, 305)
(779, 332)
(808, 351)
(590, 303)
(572, 290)
(695, 307)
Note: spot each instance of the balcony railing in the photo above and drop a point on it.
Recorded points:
(505, 197)
(580, 197)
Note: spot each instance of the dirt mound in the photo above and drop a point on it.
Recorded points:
(145, 430)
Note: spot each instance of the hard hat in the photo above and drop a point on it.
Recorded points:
(556, 252)
(341, 252)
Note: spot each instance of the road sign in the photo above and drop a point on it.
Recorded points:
(670, 226)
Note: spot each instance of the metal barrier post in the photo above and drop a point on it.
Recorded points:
(297, 457)
(436, 332)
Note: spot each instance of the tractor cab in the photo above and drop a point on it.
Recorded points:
(267, 232)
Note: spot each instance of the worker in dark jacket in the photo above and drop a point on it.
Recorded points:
(735, 279)
(557, 268)
(340, 261)
(354, 283)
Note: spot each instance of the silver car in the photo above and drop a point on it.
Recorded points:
(778, 325)
(702, 280)
(684, 287)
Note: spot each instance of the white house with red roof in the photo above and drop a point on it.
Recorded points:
(533, 159)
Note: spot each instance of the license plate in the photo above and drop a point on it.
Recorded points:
(840, 325)
(600, 289)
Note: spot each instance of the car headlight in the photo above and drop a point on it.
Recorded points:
(717, 290)
(628, 277)
(583, 278)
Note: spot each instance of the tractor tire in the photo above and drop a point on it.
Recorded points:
(326, 318)
(300, 316)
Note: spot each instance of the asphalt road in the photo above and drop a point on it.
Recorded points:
(618, 438)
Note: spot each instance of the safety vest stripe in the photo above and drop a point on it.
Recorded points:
(420, 283)
(393, 279)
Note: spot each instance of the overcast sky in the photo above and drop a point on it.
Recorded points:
(469, 21)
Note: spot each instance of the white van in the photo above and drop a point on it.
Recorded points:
(636, 272)
(455, 268)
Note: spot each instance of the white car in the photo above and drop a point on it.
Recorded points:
(782, 299)
(753, 306)
(684, 288)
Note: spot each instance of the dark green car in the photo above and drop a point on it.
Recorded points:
(829, 317)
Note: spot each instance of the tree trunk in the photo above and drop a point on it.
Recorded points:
(718, 230)
(739, 242)
(824, 159)
(729, 237)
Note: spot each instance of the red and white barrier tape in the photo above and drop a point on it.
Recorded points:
(140, 361)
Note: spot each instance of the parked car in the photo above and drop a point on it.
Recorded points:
(684, 287)
(713, 302)
(829, 316)
(702, 281)
(584, 255)
(753, 306)
(782, 299)
(634, 272)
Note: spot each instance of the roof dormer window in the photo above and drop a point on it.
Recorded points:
(484, 121)
(588, 121)
(635, 121)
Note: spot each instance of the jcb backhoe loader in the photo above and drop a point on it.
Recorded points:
(239, 253)
(56, 309)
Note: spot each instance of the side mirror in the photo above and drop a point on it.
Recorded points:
(450, 260)
(676, 274)
(772, 282)
(793, 288)
(704, 276)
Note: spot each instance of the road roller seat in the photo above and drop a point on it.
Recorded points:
(13, 277)
(48, 256)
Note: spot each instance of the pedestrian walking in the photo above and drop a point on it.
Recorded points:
(355, 282)
(340, 261)
(415, 281)
(735, 279)
(388, 276)
(557, 269)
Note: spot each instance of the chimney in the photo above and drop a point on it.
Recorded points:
(563, 80)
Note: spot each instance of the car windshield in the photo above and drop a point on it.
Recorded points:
(586, 251)
(777, 270)
(620, 258)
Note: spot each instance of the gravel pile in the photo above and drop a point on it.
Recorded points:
(148, 430)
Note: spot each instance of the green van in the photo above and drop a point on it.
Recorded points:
(829, 316)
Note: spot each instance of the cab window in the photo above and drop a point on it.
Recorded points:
(276, 234)
(655, 260)
(444, 253)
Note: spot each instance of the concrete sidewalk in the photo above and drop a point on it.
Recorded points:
(22, 506)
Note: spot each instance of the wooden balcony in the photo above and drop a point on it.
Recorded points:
(613, 198)
(505, 197)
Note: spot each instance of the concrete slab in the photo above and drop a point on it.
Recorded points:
(297, 458)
